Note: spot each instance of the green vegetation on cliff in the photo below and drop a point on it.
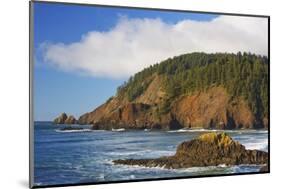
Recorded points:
(243, 75)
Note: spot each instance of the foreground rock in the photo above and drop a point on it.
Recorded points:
(264, 168)
(209, 149)
(64, 119)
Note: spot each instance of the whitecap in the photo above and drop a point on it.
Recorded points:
(163, 168)
(262, 145)
(178, 131)
(144, 153)
(101, 176)
(239, 131)
(37, 183)
(222, 165)
(98, 130)
(73, 131)
(132, 176)
(198, 170)
(118, 130)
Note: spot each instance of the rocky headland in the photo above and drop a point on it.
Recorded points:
(197, 90)
(210, 149)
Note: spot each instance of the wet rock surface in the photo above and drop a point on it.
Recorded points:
(264, 168)
(210, 149)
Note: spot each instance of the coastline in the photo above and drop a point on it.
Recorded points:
(104, 146)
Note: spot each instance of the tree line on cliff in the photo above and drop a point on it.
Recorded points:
(243, 75)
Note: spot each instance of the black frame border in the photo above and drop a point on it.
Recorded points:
(31, 119)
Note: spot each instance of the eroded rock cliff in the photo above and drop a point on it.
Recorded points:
(213, 108)
(196, 90)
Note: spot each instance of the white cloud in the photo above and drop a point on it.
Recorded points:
(137, 43)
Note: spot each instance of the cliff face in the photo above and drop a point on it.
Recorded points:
(213, 108)
(197, 90)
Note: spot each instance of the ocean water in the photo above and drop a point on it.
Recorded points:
(68, 157)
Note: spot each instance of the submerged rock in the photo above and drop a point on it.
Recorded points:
(64, 119)
(209, 149)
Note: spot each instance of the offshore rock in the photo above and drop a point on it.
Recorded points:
(64, 119)
(211, 149)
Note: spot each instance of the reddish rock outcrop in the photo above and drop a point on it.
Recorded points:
(136, 116)
(213, 108)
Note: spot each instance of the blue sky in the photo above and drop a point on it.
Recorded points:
(82, 53)
(57, 91)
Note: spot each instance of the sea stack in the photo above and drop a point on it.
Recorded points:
(64, 119)
(70, 120)
(211, 149)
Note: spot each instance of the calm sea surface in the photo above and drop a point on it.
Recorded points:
(67, 157)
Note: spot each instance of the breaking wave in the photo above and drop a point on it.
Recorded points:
(73, 130)
(118, 130)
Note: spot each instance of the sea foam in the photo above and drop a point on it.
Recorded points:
(73, 131)
(118, 130)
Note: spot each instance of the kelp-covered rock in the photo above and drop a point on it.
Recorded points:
(209, 149)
